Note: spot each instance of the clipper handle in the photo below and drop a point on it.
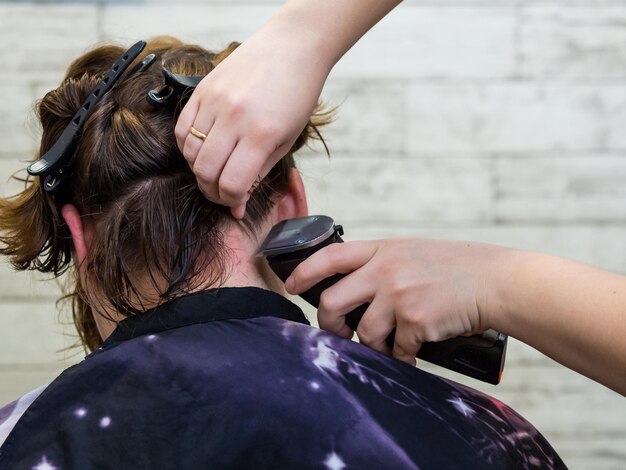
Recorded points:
(478, 356)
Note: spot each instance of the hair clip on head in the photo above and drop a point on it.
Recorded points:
(176, 90)
(55, 161)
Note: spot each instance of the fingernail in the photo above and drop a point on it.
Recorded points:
(238, 212)
(290, 285)
(346, 332)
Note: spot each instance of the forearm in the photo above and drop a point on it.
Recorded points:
(572, 312)
(332, 27)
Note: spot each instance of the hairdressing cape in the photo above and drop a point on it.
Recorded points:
(236, 378)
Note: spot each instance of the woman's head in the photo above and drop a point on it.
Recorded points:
(148, 226)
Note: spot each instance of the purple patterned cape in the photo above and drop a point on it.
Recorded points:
(236, 378)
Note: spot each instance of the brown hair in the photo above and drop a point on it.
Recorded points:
(130, 182)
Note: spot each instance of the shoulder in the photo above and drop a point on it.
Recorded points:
(11, 413)
(238, 391)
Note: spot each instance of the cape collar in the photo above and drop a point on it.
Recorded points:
(227, 303)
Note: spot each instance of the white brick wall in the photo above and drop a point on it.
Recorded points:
(517, 116)
(494, 120)
(581, 42)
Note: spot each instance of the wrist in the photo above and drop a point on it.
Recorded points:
(300, 33)
(329, 27)
(497, 304)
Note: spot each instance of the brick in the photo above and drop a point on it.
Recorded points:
(13, 284)
(17, 126)
(32, 334)
(19, 381)
(410, 42)
(432, 42)
(356, 189)
(552, 189)
(213, 27)
(24, 286)
(602, 246)
(517, 116)
(41, 40)
(578, 42)
(371, 116)
(13, 165)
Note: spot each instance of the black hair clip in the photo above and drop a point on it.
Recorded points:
(176, 90)
(55, 161)
(143, 65)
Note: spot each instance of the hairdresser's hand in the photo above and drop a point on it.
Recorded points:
(434, 290)
(427, 290)
(252, 108)
(254, 105)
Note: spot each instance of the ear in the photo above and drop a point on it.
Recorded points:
(72, 219)
(293, 203)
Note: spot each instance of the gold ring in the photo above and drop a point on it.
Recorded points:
(196, 133)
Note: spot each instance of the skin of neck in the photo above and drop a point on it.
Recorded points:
(247, 267)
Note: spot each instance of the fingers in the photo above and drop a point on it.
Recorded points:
(377, 323)
(356, 289)
(185, 121)
(262, 109)
(211, 159)
(202, 121)
(362, 285)
(333, 259)
(227, 169)
(242, 172)
(208, 157)
(193, 144)
(341, 298)
(406, 343)
(238, 212)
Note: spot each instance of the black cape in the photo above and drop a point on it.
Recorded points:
(236, 378)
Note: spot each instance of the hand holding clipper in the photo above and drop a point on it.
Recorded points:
(292, 241)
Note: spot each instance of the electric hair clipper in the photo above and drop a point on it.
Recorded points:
(292, 241)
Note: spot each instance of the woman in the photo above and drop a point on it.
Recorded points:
(198, 361)
(570, 312)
